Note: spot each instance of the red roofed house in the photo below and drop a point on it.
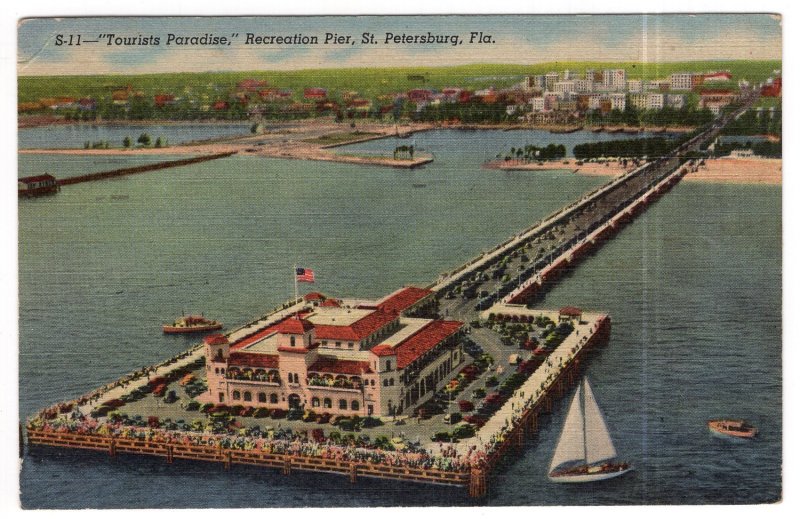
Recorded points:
(37, 185)
(315, 93)
(348, 358)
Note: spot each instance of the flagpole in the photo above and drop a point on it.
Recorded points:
(294, 275)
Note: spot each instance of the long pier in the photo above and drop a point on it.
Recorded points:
(594, 217)
(103, 175)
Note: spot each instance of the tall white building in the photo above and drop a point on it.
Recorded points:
(615, 79)
(681, 81)
(655, 101)
(537, 104)
(617, 101)
(550, 79)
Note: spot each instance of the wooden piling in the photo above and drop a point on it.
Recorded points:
(112, 447)
(477, 482)
(287, 465)
(170, 453)
(353, 472)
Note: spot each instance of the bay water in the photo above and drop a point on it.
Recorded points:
(693, 287)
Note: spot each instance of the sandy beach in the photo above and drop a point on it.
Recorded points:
(606, 169)
(738, 171)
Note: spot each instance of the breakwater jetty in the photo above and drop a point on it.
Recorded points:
(103, 175)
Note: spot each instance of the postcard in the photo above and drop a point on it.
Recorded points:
(386, 261)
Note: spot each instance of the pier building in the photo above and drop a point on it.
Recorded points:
(345, 357)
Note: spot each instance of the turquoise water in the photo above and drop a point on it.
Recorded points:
(75, 135)
(693, 287)
(65, 166)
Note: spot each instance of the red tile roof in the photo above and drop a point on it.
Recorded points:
(383, 350)
(357, 331)
(253, 360)
(403, 299)
(424, 340)
(330, 303)
(269, 330)
(338, 366)
(314, 296)
(37, 178)
(571, 311)
(215, 339)
(294, 326)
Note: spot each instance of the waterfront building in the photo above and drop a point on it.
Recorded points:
(681, 81)
(614, 79)
(37, 185)
(617, 101)
(655, 101)
(348, 357)
(638, 101)
(550, 79)
(742, 154)
(594, 101)
(551, 100)
(537, 103)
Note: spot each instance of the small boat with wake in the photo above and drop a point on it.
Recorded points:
(729, 428)
(585, 451)
(192, 324)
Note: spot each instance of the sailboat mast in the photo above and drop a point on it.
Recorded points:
(583, 414)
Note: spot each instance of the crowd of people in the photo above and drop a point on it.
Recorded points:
(283, 441)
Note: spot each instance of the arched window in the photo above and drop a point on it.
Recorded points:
(291, 341)
(391, 381)
(372, 382)
(216, 370)
(248, 396)
(222, 371)
(273, 398)
(219, 353)
(388, 365)
(296, 378)
(237, 395)
(354, 405)
(386, 383)
(262, 397)
(315, 402)
(327, 404)
(342, 404)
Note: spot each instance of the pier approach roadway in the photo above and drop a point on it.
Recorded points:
(503, 273)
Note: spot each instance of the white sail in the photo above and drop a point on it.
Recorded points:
(599, 446)
(571, 443)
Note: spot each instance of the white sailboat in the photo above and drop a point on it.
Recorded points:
(585, 451)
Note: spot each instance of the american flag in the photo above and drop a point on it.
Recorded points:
(304, 275)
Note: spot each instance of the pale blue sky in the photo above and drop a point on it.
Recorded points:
(519, 39)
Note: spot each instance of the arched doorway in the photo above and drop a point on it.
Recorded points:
(294, 401)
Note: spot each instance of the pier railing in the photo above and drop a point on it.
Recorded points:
(228, 457)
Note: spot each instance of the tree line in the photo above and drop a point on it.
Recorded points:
(627, 148)
(530, 152)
